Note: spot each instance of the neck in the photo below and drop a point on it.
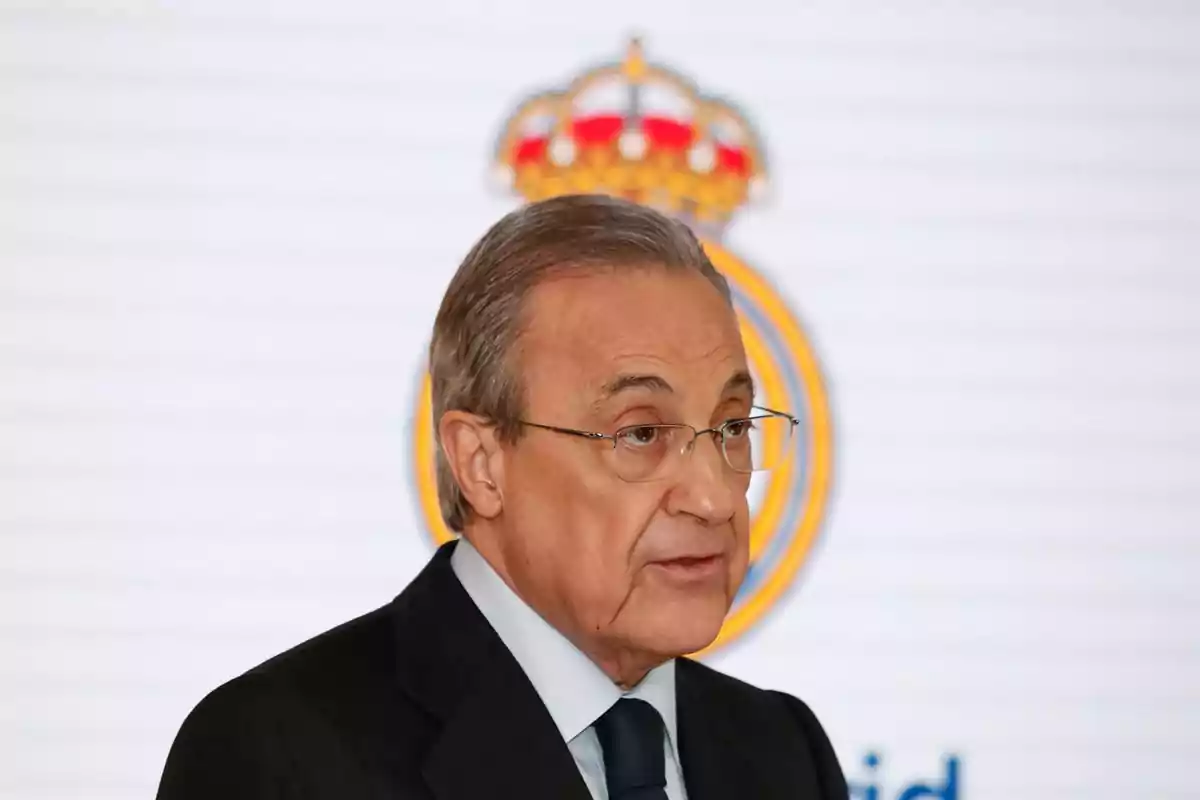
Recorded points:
(626, 669)
(624, 666)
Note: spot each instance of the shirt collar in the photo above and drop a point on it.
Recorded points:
(575, 691)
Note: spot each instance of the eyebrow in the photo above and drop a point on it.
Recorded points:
(740, 380)
(656, 383)
(623, 383)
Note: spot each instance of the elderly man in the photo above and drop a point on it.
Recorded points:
(597, 433)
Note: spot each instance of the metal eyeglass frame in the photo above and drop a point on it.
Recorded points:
(719, 431)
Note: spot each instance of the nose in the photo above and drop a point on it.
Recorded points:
(705, 487)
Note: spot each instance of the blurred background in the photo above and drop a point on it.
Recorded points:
(225, 228)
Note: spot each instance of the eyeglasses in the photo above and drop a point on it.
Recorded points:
(651, 452)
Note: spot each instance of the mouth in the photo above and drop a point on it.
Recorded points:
(691, 568)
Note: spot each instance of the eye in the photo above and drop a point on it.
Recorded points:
(639, 435)
(738, 428)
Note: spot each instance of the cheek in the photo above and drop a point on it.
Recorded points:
(579, 524)
(741, 524)
(617, 510)
(611, 521)
(741, 555)
(606, 533)
(540, 482)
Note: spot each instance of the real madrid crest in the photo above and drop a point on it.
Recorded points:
(644, 132)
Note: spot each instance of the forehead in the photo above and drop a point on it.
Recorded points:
(584, 329)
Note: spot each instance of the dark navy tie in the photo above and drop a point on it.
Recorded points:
(631, 735)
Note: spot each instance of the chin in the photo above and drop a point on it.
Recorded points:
(680, 628)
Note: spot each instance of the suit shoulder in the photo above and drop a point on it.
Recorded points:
(746, 700)
(341, 652)
(769, 716)
(829, 769)
(733, 689)
(355, 656)
(245, 736)
(726, 689)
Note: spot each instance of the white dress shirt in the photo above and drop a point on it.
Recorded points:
(574, 689)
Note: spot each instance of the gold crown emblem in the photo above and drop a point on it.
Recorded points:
(639, 131)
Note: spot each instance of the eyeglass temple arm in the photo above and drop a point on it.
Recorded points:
(780, 413)
(570, 431)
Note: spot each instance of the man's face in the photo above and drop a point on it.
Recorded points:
(627, 569)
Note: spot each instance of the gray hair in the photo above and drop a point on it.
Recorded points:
(480, 318)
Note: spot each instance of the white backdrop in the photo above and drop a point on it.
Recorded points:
(225, 228)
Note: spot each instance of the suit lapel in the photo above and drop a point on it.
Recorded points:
(497, 738)
(501, 742)
(710, 767)
(724, 755)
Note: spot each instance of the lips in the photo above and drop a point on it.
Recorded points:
(692, 568)
(688, 561)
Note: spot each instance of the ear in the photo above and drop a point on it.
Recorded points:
(471, 448)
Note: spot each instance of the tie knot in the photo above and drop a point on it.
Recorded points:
(631, 735)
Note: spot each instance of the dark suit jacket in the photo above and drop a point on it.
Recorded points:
(420, 699)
